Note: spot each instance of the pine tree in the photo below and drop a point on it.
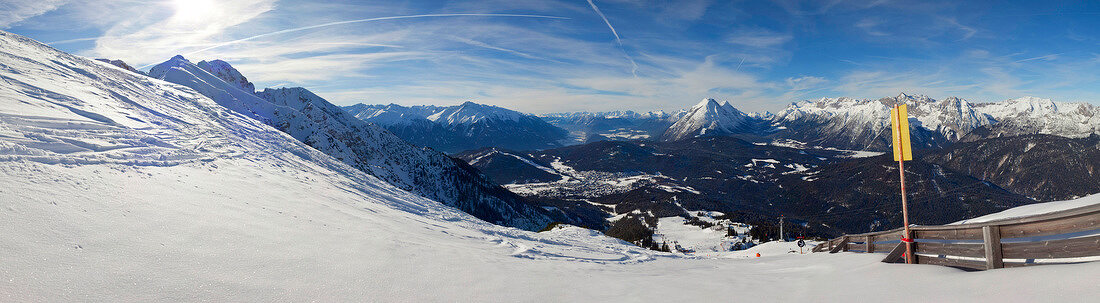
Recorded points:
(730, 232)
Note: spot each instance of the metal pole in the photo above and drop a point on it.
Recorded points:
(781, 238)
(904, 205)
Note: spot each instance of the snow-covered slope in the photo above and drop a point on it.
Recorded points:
(1035, 209)
(326, 127)
(707, 118)
(122, 188)
(119, 187)
(462, 127)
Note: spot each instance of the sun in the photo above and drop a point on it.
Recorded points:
(193, 10)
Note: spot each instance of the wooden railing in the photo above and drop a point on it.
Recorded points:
(1066, 236)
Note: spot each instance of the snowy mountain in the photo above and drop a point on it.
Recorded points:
(462, 127)
(615, 125)
(863, 124)
(227, 73)
(708, 118)
(1029, 115)
(393, 114)
(321, 125)
(472, 113)
(951, 118)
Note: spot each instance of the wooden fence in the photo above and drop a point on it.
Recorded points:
(1067, 236)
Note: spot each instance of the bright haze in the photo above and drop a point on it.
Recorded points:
(552, 56)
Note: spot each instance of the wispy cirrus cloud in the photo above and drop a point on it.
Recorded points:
(805, 82)
(759, 38)
(14, 11)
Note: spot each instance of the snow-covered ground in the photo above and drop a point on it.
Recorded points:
(1036, 209)
(120, 188)
(673, 230)
(592, 183)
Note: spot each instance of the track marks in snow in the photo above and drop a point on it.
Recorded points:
(571, 244)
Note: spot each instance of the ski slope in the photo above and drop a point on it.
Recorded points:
(121, 188)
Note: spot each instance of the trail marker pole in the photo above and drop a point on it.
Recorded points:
(899, 121)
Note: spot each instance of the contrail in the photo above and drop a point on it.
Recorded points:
(71, 41)
(298, 29)
(492, 47)
(617, 39)
(1046, 57)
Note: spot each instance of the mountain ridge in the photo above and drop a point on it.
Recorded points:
(328, 128)
(860, 124)
(466, 126)
(708, 118)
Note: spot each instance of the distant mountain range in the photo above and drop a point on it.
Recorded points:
(842, 123)
(861, 124)
(462, 127)
(846, 123)
(587, 127)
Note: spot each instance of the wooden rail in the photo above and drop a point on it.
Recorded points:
(1066, 236)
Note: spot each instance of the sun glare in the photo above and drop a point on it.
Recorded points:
(192, 10)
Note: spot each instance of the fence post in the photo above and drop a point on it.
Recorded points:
(895, 254)
(993, 255)
(842, 244)
(870, 244)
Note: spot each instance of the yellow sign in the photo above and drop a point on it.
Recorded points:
(899, 124)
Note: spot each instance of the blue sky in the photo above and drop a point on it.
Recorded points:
(565, 56)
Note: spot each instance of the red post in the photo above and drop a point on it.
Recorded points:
(906, 236)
